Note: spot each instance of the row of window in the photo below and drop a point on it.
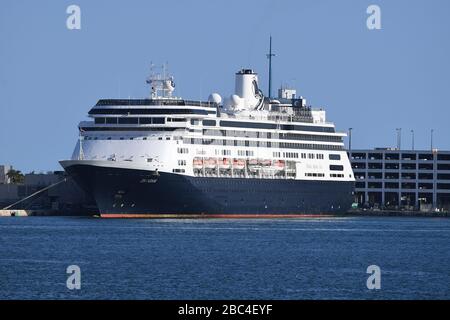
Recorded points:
(206, 122)
(176, 119)
(261, 125)
(135, 120)
(319, 156)
(182, 150)
(314, 174)
(223, 152)
(403, 166)
(397, 156)
(290, 155)
(247, 143)
(126, 138)
(392, 166)
(276, 154)
(403, 185)
(245, 153)
(270, 135)
(404, 175)
(138, 111)
(129, 128)
(155, 102)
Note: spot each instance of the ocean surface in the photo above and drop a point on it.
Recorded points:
(225, 259)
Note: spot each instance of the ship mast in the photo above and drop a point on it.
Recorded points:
(269, 56)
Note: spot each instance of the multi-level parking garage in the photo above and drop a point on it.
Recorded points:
(402, 179)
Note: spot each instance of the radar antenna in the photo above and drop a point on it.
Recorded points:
(161, 83)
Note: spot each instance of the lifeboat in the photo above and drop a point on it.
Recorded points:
(239, 164)
(225, 163)
(210, 163)
(266, 162)
(279, 164)
(198, 163)
(254, 165)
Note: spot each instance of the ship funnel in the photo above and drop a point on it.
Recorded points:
(247, 88)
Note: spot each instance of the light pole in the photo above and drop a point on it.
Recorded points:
(350, 139)
(399, 138)
(412, 139)
(432, 130)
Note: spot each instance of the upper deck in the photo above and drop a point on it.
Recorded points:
(248, 109)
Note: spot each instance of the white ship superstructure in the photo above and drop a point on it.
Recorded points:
(279, 138)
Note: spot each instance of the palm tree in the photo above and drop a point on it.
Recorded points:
(16, 176)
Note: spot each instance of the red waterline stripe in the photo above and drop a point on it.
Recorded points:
(209, 216)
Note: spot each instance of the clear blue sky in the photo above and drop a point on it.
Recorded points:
(373, 81)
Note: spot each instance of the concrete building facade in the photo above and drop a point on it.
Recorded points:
(4, 169)
(402, 179)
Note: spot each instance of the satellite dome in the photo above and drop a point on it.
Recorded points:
(235, 100)
(215, 98)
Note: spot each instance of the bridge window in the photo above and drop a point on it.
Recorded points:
(145, 120)
(159, 120)
(128, 120)
(111, 120)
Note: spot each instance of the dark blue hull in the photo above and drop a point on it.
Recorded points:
(119, 191)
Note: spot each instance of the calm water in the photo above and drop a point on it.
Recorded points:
(224, 259)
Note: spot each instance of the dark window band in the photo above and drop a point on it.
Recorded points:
(133, 120)
(246, 143)
(259, 125)
(154, 102)
(253, 125)
(129, 129)
(210, 123)
(135, 111)
(128, 120)
(268, 135)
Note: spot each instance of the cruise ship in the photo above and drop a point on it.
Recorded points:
(247, 155)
